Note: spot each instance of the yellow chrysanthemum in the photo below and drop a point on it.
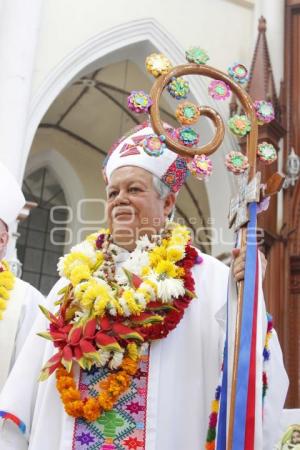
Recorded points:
(175, 253)
(96, 297)
(156, 255)
(115, 304)
(3, 303)
(133, 306)
(73, 260)
(79, 274)
(145, 271)
(133, 351)
(166, 267)
(4, 293)
(99, 261)
(7, 280)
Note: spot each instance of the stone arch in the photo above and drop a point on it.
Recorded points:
(133, 40)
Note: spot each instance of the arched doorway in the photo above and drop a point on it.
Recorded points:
(40, 243)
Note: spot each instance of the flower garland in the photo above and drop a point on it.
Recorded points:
(215, 406)
(106, 313)
(7, 282)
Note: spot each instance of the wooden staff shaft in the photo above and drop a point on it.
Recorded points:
(251, 153)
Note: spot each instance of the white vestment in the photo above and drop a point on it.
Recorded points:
(184, 370)
(21, 311)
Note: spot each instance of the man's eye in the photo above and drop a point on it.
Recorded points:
(112, 194)
(135, 189)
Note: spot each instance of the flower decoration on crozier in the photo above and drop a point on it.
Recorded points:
(187, 135)
(200, 167)
(106, 314)
(179, 88)
(239, 125)
(236, 162)
(266, 153)
(219, 90)
(158, 64)
(239, 73)
(154, 145)
(264, 111)
(196, 55)
(187, 113)
(139, 102)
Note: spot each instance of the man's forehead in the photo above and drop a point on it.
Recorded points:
(128, 174)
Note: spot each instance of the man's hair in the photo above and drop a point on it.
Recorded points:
(163, 190)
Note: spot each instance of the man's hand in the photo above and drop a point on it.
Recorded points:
(239, 256)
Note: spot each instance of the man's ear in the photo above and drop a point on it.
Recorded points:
(169, 203)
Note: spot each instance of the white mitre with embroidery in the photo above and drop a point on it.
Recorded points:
(141, 147)
(12, 199)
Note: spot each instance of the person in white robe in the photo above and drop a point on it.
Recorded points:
(170, 411)
(21, 306)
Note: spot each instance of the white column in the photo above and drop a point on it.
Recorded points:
(19, 30)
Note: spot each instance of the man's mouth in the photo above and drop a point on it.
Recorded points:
(122, 214)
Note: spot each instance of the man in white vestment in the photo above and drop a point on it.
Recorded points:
(133, 356)
(18, 299)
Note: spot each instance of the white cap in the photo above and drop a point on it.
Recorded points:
(130, 151)
(12, 199)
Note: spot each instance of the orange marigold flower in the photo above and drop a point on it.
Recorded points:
(69, 395)
(106, 401)
(61, 372)
(129, 365)
(91, 409)
(74, 409)
(65, 383)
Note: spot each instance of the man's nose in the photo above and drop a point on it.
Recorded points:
(122, 197)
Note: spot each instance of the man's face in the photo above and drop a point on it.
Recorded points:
(134, 208)
(295, 437)
(3, 239)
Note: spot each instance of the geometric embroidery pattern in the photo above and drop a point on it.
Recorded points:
(123, 427)
(176, 174)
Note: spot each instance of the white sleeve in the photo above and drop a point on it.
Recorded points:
(18, 396)
(29, 312)
(275, 397)
(9, 439)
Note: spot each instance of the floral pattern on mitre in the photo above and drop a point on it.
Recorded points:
(196, 55)
(178, 88)
(236, 162)
(153, 145)
(200, 167)
(239, 73)
(219, 90)
(139, 102)
(264, 111)
(158, 64)
(239, 125)
(187, 113)
(266, 153)
(188, 136)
